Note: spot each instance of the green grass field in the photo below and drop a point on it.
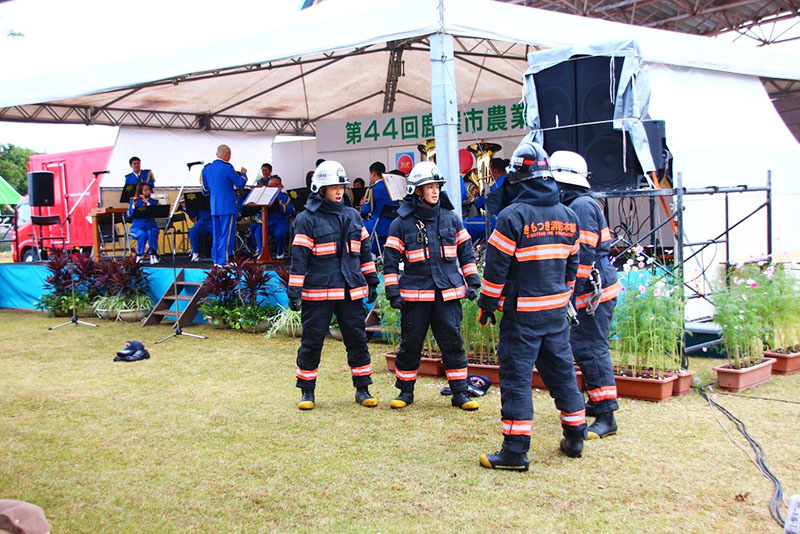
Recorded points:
(206, 437)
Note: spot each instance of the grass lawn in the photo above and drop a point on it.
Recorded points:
(206, 437)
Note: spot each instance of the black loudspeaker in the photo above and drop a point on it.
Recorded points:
(40, 188)
(579, 91)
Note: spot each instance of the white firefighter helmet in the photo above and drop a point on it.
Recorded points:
(424, 172)
(328, 173)
(569, 168)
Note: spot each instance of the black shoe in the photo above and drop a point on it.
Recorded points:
(461, 400)
(307, 400)
(364, 398)
(590, 409)
(404, 399)
(571, 447)
(605, 425)
(504, 459)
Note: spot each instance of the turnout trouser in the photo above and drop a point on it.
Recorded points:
(316, 324)
(589, 342)
(224, 228)
(444, 318)
(547, 347)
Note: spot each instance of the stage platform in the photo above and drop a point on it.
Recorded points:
(21, 284)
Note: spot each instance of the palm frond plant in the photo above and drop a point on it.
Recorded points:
(287, 322)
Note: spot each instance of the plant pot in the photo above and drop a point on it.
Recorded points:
(649, 389)
(335, 333)
(58, 312)
(741, 379)
(492, 372)
(538, 383)
(683, 384)
(105, 313)
(427, 366)
(785, 364)
(293, 330)
(261, 327)
(131, 316)
(219, 324)
(85, 311)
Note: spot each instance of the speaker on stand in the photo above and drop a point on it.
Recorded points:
(41, 191)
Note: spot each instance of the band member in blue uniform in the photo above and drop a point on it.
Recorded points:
(139, 175)
(144, 231)
(266, 173)
(201, 228)
(220, 180)
(596, 293)
(428, 238)
(277, 222)
(374, 200)
(476, 226)
(332, 271)
(531, 264)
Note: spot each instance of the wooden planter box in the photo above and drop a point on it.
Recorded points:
(427, 366)
(683, 384)
(648, 389)
(741, 379)
(785, 364)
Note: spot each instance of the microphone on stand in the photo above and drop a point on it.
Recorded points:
(192, 164)
(97, 173)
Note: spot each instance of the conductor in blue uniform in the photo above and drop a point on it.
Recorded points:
(220, 180)
(139, 175)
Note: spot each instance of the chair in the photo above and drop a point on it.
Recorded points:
(45, 220)
(161, 222)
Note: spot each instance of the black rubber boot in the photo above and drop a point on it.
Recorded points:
(504, 459)
(404, 399)
(590, 409)
(307, 400)
(461, 400)
(364, 398)
(571, 447)
(605, 425)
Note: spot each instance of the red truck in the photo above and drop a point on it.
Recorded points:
(72, 172)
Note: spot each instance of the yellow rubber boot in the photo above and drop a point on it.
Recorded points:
(307, 400)
(404, 399)
(364, 398)
(461, 400)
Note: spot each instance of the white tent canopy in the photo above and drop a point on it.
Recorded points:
(329, 61)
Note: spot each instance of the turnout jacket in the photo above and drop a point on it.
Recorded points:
(331, 253)
(595, 245)
(532, 257)
(442, 263)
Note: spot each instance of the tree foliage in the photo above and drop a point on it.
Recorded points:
(13, 166)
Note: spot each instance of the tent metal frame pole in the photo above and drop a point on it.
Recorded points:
(444, 114)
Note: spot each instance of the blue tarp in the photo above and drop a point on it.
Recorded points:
(22, 284)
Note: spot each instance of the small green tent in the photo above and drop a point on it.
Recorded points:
(8, 195)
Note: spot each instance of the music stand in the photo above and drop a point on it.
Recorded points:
(127, 193)
(74, 319)
(177, 326)
(263, 197)
(299, 197)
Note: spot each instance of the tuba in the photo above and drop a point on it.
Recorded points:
(428, 149)
(480, 178)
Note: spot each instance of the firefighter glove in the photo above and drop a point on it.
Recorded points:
(472, 292)
(373, 294)
(295, 303)
(486, 317)
(397, 303)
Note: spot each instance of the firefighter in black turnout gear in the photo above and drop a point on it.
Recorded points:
(531, 263)
(332, 271)
(437, 255)
(596, 293)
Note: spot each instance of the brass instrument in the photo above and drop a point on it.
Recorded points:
(428, 149)
(480, 179)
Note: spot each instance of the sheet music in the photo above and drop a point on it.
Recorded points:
(262, 196)
(395, 186)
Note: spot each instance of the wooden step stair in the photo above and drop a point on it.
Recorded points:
(180, 291)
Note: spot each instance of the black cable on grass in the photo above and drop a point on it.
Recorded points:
(777, 496)
(760, 398)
